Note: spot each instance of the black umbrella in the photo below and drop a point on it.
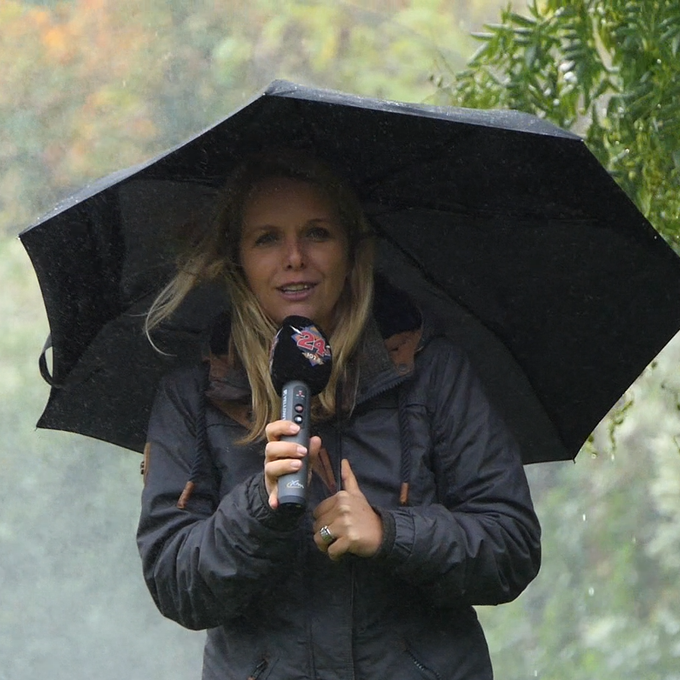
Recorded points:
(505, 225)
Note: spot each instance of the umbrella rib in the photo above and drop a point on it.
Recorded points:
(381, 233)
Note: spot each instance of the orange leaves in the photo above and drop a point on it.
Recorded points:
(59, 44)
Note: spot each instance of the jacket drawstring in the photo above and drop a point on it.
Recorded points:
(197, 468)
(405, 441)
(338, 434)
(202, 451)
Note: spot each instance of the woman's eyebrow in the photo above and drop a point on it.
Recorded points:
(269, 227)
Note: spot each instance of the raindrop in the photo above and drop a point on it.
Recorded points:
(535, 674)
(591, 591)
(584, 516)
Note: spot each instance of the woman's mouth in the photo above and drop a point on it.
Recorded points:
(294, 291)
(296, 287)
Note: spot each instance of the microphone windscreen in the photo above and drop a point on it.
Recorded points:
(300, 351)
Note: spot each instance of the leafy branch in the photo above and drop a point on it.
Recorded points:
(606, 69)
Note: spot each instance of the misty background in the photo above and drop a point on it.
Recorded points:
(91, 86)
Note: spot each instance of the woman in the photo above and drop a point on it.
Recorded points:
(431, 513)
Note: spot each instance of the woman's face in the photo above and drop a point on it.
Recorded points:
(294, 251)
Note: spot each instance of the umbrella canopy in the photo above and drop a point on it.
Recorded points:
(504, 225)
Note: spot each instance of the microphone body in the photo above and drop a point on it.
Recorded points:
(300, 366)
(295, 398)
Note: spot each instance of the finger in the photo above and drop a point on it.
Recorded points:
(325, 519)
(280, 428)
(314, 448)
(321, 544)
(324, 545)
(324, 510)
(279, 450)
(275, 469)
(278, 468)
(337, 549)
(349, 481)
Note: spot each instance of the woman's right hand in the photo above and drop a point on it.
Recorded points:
(283, 458)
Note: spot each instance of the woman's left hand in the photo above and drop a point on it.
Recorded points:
(351, 525)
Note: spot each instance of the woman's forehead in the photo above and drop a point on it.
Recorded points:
(287, 195)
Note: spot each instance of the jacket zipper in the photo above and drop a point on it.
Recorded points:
(427, 672)
(259, 669)
(351, 619)
(308, 616)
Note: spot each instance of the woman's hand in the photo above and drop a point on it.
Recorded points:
(284, 458)
(353, 524)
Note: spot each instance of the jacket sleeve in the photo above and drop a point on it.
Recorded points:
(481, 542)
(204, 564)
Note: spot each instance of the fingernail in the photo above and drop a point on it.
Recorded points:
(301, 450)
(296, 464)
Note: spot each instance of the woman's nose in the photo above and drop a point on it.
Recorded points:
(295, 257)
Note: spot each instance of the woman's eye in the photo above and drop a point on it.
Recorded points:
(318, 233)
(266, 239)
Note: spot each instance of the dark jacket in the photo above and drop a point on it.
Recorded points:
(274, 606)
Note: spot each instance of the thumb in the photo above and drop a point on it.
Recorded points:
(349, 481)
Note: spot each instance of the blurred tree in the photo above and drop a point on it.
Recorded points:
(91, 86)
(606, 602)
(88, 87)
(609, 70)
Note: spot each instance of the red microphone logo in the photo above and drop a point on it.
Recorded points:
(312, 344)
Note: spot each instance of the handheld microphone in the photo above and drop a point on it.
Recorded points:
(300, 365)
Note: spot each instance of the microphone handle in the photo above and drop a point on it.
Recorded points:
(295, 406)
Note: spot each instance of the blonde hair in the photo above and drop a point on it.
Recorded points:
(214, 255)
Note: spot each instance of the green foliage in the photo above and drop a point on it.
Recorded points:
(606, 601)
(608, 69)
